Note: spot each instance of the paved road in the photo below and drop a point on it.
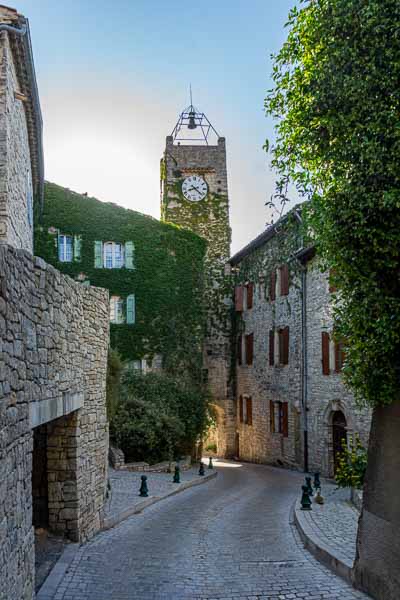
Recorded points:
(228, 539)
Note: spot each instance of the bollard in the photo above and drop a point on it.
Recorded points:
(143, 492)
(177, 475)
(305, 499)
(210, 463)
(309, 486)
(201, 470)
(318, 498)
(317, 482)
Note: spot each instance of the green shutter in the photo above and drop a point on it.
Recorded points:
(98, 255)
(129, 255)
(77, 247)
(130, 309)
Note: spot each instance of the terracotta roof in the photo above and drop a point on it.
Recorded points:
(16, 26)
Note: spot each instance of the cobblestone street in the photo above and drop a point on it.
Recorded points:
(228, 539)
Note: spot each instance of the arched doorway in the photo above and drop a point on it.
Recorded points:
(339, 436)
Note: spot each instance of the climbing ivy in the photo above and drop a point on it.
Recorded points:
(336, 99)
(167, 280)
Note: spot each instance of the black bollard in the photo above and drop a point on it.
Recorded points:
(317, 482)
(201, 470)
(177, 475)
(210, 463)
(305, 499)
(309, 486)
(143, 492)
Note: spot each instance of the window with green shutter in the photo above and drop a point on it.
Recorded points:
(77, 247)
(129, 255)
(130, 309)
(98, 255)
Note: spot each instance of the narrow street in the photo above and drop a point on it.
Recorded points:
(230, 538)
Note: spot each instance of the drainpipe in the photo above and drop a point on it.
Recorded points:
(304, 373)
(22, 32)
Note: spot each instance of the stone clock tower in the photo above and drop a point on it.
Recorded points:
(194, 195)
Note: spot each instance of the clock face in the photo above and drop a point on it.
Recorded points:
(194, 188)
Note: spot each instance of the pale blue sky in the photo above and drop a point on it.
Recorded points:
(113, 77)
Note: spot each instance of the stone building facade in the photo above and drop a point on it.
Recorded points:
(292, 408)
(54, 336)
(207, 215)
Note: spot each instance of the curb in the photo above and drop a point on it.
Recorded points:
(322, 552)
(54, 578)
(110, 522)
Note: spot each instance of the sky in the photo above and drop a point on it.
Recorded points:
(114, 76)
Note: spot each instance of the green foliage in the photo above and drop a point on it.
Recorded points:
(167, 280)
(336, 98)
(159, 417)
(113, 387)
(352, 466)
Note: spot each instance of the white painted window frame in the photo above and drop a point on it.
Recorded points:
(117, 258)
(63, 255)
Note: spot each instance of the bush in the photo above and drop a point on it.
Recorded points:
(158, 418)
(352, 466)
(113, 387)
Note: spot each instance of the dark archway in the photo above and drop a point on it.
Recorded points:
(339, 436)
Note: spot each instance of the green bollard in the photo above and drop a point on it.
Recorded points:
(177, 475)
(143, 492)
(305, 499)
(309, 486)
(201, 470)
(210, 463)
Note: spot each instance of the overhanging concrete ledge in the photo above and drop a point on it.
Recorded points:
(43, 411)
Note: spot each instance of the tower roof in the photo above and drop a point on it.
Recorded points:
(194, 128)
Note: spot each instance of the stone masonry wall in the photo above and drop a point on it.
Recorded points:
(326, 393)
(54, 337)
(16, 199)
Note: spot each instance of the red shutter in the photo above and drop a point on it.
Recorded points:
(249, 348)
(249, 411)
(280, 345)
(250, 294)
(285, 419)
(239, 350)
(285, 346)
(325, 353)
(241, 409)
(239, 298)
(271, 416)
(272, 285)
(272, 347)
(284, 272)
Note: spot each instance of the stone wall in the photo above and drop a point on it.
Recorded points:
(54, 335)
(16, 196)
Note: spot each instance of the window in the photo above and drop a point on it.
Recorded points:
(249, 411)
(239, 298)
(279, 418)
(65, 248)
(241, 419)
(284, 280)
(272, 285)
(272, 347)
(113, 255)
(116, 310)
(339, 356)
(325, 353)
(249, 343)
(284, 346)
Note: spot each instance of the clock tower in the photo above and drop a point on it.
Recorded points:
(194, 195)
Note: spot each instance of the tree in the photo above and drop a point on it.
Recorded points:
(336, 98)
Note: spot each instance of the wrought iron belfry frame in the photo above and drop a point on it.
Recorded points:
(192, 116)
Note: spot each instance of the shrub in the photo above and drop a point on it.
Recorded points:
(352, 466)
(113, 387)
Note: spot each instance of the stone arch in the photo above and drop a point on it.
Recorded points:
(332, 408)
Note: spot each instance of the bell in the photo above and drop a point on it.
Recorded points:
(192, 122)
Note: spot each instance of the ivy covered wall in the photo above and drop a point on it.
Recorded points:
(167, 278)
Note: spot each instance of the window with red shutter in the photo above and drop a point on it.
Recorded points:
(271, 416)
(272, 347)
(339, 356)
(239, 298)
(325, 353)
(249, 348)
(241, 409)
(239, 350)
(272, 285)
(284, 277)
(249, 295)
(249, 411)
(285, 419)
